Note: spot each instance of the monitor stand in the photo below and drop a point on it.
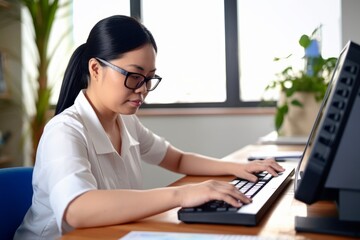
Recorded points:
(328, 225)
(346, 222)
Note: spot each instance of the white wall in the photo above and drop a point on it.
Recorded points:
(350, 19)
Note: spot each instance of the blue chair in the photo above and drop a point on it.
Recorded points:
(15, 198)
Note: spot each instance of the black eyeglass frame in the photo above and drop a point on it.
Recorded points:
(127, 74)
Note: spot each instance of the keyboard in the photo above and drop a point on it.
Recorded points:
(263, 193)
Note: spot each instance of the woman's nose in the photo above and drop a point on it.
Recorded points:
(142, 89)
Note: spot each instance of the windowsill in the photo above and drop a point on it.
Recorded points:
(205, 111)
(197, 111)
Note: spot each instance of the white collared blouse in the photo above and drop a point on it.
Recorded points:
(74, 156)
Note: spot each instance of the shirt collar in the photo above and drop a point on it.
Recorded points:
(127, 139)
(101, 141)
(97, 133)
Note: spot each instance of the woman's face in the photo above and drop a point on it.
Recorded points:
(107, 91)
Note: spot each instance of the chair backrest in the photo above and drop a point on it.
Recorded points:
(15, 198)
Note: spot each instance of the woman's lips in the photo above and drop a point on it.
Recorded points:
(136, 103)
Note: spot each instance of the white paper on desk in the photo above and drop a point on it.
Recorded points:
(140, 235)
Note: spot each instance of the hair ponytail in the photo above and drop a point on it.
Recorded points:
(75, 79)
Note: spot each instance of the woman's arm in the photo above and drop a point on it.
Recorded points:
(194, 164)
(108, 207)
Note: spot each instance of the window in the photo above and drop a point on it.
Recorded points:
(191, 50)
(219, 53)
(87, 13)
(250, 34)
(267, 34)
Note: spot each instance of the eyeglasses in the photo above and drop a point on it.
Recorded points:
(134, 80)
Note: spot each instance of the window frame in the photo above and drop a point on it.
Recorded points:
(233, 98)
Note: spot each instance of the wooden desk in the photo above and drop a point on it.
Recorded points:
(279, 221)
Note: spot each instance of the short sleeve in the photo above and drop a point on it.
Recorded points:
(65, 166)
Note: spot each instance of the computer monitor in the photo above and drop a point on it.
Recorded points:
(330, 166)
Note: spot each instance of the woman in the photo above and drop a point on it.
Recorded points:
(88, 163)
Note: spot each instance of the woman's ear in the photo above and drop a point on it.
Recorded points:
(94, 68)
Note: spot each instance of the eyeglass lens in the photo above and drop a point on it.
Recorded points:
(135, 81)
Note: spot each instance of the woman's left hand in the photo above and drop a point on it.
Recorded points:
(248, 170)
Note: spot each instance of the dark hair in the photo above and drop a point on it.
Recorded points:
(109, 39)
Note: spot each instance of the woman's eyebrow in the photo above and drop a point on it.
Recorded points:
(140, 68)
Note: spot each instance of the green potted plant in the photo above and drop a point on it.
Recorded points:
(42, 14)
(297, 87)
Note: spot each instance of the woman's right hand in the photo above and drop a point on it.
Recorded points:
(191, 195)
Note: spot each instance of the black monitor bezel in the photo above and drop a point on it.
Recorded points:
(311, 187)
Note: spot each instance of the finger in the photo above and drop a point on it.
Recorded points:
(271, 171)
(274, 168)
(276, 165)
(269, 163)
(233, 197)
(232, 201)
(229, 189)
(238, 195)
(241, 197)
(250, 176)
(235, 193)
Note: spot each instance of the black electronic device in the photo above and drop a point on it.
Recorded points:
(329, 168)
(263, 193)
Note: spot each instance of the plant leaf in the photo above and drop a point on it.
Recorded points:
(280, 115)
(297, 103)
(304, 41)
